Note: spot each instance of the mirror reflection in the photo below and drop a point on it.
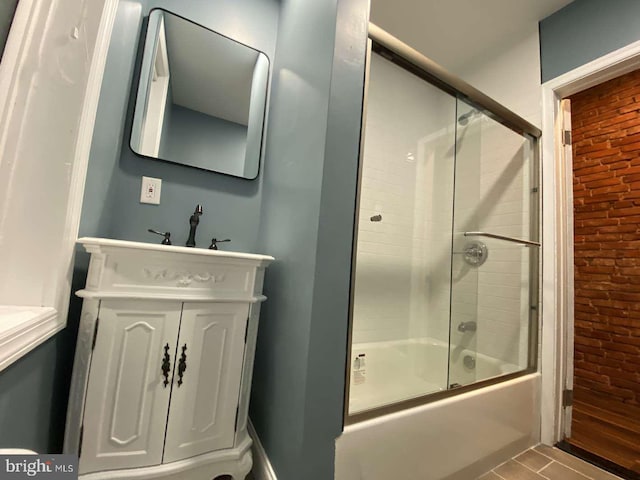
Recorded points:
(201, 98)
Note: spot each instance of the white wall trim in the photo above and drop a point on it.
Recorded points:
(33, 328)
(24, 328)
(82, 153)
(25, 21)
(262, 469)
(556, 292)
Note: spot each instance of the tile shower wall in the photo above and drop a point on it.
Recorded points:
(402, 273)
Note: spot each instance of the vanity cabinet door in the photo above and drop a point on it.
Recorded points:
(127, 400)
(204, 398)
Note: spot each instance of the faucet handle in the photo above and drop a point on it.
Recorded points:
(215, 241)
(167, 236)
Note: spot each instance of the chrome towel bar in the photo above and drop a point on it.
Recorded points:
(528, 243)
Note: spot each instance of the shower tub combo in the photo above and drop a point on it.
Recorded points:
(442, 378)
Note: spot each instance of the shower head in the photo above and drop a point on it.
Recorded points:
(464, 119)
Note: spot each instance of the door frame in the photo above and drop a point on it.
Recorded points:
(557, 235)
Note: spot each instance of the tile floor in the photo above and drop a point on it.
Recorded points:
(547, 463)
(543, 463)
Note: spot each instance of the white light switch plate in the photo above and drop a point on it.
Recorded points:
(150, 190)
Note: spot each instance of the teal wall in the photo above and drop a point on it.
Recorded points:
(34, 391)
(585, 30)
(7, 10)
(307, 216)
(33, 394)
(111, 204)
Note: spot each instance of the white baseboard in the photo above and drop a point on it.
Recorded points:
(262, 469)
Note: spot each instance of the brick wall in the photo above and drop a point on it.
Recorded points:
(606, 169)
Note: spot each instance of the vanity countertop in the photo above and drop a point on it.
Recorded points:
(89, 242)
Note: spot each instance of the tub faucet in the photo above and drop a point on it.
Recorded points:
(467, 327)
(193, 224)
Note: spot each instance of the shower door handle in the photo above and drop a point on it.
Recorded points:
(527, 243)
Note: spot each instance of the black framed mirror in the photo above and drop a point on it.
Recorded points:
(201, 98)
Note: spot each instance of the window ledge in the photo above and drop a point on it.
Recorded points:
(24, 328)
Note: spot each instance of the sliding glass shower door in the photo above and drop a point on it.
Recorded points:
(444, 285)
(402, 269)
(495, 241)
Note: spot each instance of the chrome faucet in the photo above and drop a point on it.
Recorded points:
(193, 224)
(467, 327)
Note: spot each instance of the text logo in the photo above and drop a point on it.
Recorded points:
(51, 467)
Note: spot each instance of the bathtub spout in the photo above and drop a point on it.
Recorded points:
(467, 327)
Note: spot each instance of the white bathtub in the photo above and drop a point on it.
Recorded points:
(404, 369)
(458, 438)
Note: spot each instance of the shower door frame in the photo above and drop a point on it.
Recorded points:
(401, 54)
(557, 336)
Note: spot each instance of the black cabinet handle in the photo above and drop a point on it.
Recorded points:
(166, 365)
(182, 364)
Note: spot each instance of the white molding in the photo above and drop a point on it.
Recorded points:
(82, 153)
(43, 322)
(556, 291)
(33, 329)
(20, 36)
(607, 67)
(262, 469)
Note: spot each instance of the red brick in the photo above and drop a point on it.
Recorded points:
(599, 180)
(614, 188)
(628, 262)
(634, 386)
(617, 229)
(606, 167)
(595, 351)
(597, 147)
(618, 373)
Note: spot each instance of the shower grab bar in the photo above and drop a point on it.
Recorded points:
(527, 243)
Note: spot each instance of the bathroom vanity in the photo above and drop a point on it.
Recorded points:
(164, 359)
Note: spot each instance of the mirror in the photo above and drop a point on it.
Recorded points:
(201, 98)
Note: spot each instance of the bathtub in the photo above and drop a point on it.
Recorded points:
(403, 369)
(456, 438)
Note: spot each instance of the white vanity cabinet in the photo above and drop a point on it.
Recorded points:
(203, 408)
(163, 366)
(127, 403)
